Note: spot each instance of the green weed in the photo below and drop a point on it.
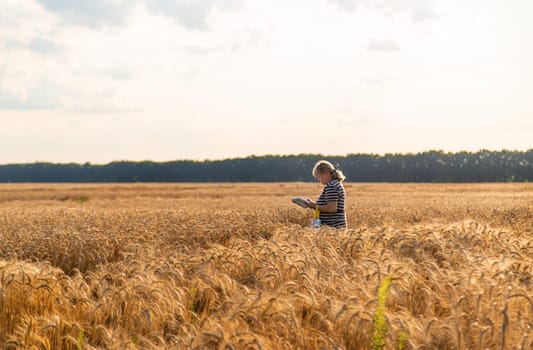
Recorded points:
(379, 334)
(81, 339)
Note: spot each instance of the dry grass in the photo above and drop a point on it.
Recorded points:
(223, 266)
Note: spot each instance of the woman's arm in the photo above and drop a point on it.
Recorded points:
(330, 207)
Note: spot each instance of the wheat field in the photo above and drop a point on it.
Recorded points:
(236, 266)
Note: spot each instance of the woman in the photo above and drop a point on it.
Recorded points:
(330, 203)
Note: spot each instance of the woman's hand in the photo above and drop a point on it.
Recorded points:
(311, 204)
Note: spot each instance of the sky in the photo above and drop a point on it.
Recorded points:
(105, 80)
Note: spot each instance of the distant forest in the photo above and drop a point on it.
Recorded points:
(431, 166)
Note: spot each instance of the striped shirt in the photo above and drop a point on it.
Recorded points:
(333, 192)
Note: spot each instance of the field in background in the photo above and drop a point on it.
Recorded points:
(235, 266)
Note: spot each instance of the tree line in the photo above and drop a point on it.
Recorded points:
(430, 166)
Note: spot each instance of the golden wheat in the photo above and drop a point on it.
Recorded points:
(223, 266)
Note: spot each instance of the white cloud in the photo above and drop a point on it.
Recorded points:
(38, 44)
(204, 50)
(61, 96)
(98, 13)
(241, 41)
(23, 87)
(249, 39)
(93, 13)
(417, 10)
(190, 73)
(382, 45)
(191, 14)
(41, 96)
(116, 71)
(375, 79)
(52, 86)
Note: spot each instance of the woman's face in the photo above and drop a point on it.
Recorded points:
(324, 177)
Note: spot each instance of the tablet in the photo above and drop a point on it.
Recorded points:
(302, 202)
